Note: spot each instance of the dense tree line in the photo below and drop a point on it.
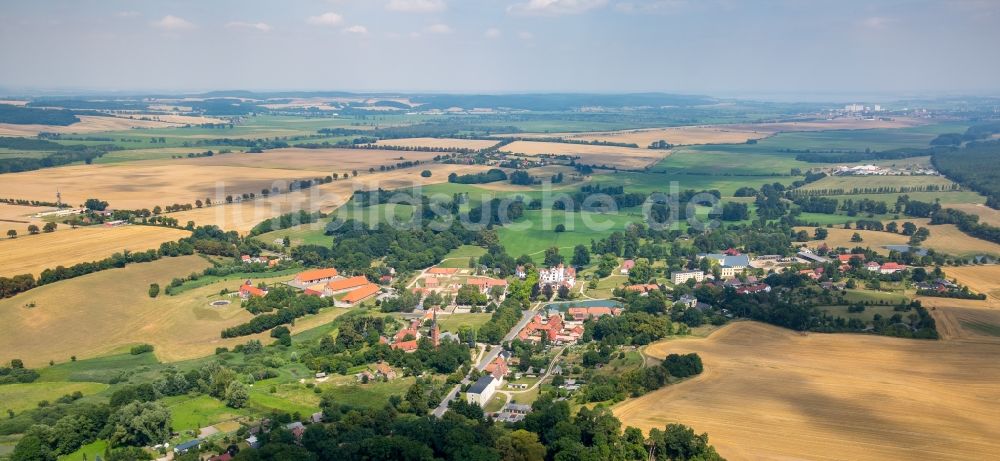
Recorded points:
(286, 221)
(867, 154)
(281, 306)
(968, 223)
(975, 166)
(492, 175)
(34, 116)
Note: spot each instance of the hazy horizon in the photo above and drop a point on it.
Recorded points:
(717, 47)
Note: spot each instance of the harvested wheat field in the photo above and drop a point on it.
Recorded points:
(87, 124)
(327, 197)
(19, 217)
(986, 214)
(681, 135)
(981, 279)
(438, 143)
(840, 237)
(180, 327)
(30, 254)
(965, 319)
(320, 161)
(946, 238)
(137, 185)
(621, 157)
(771, 393)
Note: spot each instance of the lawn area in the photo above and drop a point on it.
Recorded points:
(25, 396)
(90, 451)
(695, 180)
(345, 389)
(192, 413)
(291, 398)
(869, 296)
(868, 314)
(459, 257)
(531, 234)
(606, 285)
(98, 369)
(452, 322)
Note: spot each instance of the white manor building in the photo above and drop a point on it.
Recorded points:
(558, 275)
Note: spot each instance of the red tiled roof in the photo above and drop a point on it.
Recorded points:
(348, 283)
(316, 274)
(361, 293)
(442, 270)
(252, 290)
(405, 346)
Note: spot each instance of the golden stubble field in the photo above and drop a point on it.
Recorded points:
(30, 254)
(94, 124)
(986, 214)
(438, 143)
(771, 393)
(622, 157)
(327, 197)
(108, 312)
(944, 238)
(145, 184)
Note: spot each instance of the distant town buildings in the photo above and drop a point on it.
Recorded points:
(557, 276)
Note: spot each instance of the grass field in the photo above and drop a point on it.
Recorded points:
(850, 182)
(20, 397)
(452, 322)
(327, 197)
(843, 396)
(681, 135)
(623, 157)
(531, 235)
(192, 413)
(438, 143)
(86, 452)
(459, 257)
(30, 254)
(324, 161)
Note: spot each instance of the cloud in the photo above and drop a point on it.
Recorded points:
(358, 29)
(171, 22)
(438, 29)
(325, 19)
(555, 7)
(416, 6)
(263, 27)
(492, 32)
(651, 6)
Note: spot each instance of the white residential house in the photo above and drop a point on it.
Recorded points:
(482, 390)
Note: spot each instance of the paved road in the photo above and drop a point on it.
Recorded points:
(486, 359)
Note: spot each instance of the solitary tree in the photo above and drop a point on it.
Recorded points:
(49, 227)
(154, 290)
(32, 229)
(12, 234)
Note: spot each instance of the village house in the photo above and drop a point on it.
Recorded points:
(848, 257)
(890, 268)
(581, 314)
(513, 412)
(520, 273)
(643, 288)
(557, 276)
(679, 277)
(383, 370)
(497, 368)
(485, 284)
(688, 301)
(627, 266)
(247, 291)
(751, 289)
(873, 266)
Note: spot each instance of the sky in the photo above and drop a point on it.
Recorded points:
(716, 47)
